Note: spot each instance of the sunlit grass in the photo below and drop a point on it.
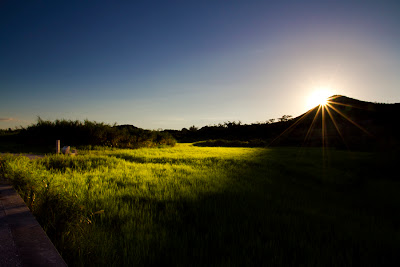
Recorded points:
(204, 206)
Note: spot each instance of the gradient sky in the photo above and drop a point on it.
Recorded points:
(173, 64)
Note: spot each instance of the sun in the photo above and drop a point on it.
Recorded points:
(319, 97)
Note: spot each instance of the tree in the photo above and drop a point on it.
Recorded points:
(193, 128)
(285, 118)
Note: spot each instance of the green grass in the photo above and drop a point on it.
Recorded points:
(202, 206)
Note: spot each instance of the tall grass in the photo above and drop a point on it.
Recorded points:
(191, 205)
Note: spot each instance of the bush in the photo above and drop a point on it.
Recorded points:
(91, 135)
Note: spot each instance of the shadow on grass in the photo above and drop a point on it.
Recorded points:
(291, 208)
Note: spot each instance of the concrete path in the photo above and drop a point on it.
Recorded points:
(22, 240)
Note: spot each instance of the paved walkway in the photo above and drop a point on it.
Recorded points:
(22, 240)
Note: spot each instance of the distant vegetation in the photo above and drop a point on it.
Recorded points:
(85, 134)
(235, 133)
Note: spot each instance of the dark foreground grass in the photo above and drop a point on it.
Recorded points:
(215, 206)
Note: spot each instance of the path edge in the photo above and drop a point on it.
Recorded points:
(32, 247)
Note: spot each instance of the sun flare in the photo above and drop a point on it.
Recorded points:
(319, 97)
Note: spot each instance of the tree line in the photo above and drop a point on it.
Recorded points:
(88, 134)
(255, 134)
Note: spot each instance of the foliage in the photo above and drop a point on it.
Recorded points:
(235, 132)
(203, 206)
(285, 118)
(88, 133)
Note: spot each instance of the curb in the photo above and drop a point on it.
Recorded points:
(23, 241)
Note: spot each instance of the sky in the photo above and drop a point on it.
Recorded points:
(174, 64)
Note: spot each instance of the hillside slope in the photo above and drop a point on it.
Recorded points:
(344, 123)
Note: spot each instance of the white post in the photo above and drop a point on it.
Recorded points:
(57, 146)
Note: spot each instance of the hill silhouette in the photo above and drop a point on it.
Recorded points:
(343, 122)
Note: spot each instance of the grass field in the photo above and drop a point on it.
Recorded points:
(199, 206)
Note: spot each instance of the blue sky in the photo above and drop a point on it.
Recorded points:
(173, 64)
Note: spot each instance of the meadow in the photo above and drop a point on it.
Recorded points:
(213, 206)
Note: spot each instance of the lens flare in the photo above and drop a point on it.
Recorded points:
(319, 97)
(327, 108)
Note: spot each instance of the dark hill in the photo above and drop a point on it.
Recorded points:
(344, 123)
